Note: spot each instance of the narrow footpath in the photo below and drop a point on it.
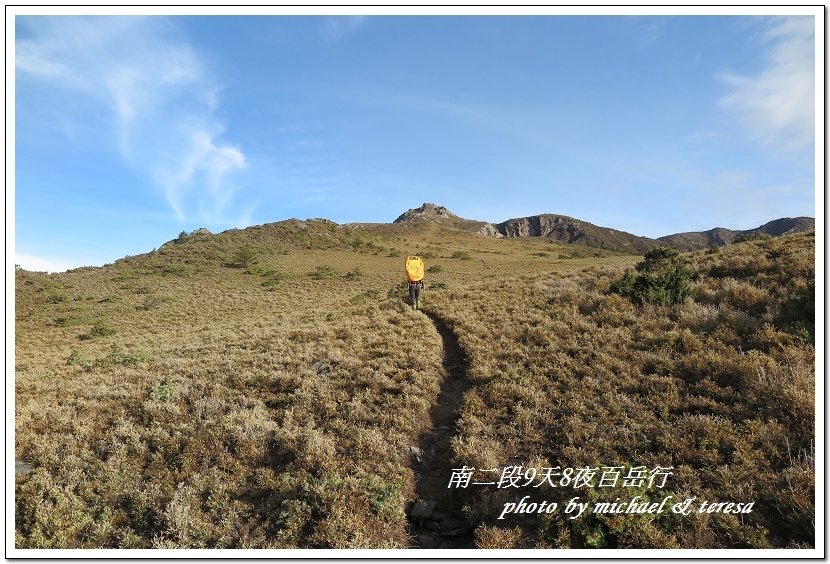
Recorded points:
(435, 518)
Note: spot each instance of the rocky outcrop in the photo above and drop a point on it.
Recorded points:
(490, 230)
(439, 215)
(427, 211)
(570, 230)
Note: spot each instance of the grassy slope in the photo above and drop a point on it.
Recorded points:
(721, 389)
(183, 399)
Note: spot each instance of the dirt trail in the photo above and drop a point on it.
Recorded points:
(436, 519)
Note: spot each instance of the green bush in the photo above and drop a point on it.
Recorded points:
(369, 295)
(77, 359)
(798, 314)
(753, 237)
(174, 268)
(354, 274)
(272, 281)
(116, 356)
(56, 298)
(663, 277)
(244, 256)
(67, 321)
(259, 270)
(98, 330)
(163, 391)
(461, 255)
(325, 271)
(435, 269)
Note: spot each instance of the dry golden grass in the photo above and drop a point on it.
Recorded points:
(565, 374)
(496, 537)
(204, 396)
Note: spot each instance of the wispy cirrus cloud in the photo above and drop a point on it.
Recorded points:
(649, 29)
(777, 104)
(335, 28)
(157, 91)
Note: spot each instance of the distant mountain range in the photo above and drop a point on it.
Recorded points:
(570, 230)
(720, 236)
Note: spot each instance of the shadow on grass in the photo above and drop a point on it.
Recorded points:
(446, 526)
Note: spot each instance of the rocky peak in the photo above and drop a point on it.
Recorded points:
(201, 232)
(429, 212)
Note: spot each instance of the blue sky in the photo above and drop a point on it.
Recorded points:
(129, 130)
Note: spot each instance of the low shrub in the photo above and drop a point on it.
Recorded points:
(77, 359)
(258, 270)
(56, 298)
(118, 357)
(368, 295)
(173, 268)
(324, 271)
(66, 321)
(98, 330)
(663, 277)
(798, 314)
(244, 256)
(753, 237)
(272, 281)
(162, 391)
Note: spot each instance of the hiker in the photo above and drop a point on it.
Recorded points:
(415, 293)
(414, 268)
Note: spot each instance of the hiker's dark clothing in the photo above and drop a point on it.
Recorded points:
(415, 290)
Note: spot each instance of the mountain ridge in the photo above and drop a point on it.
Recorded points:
(720, 236)
(571, 230)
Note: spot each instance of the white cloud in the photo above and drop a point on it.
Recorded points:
(777, 104)
(206, 165)
(649, 29)
(159, 93)
(336, 28)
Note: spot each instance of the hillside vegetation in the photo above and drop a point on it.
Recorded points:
(261, 388)
(720, 388)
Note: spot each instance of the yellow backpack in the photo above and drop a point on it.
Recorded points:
(414, 267)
